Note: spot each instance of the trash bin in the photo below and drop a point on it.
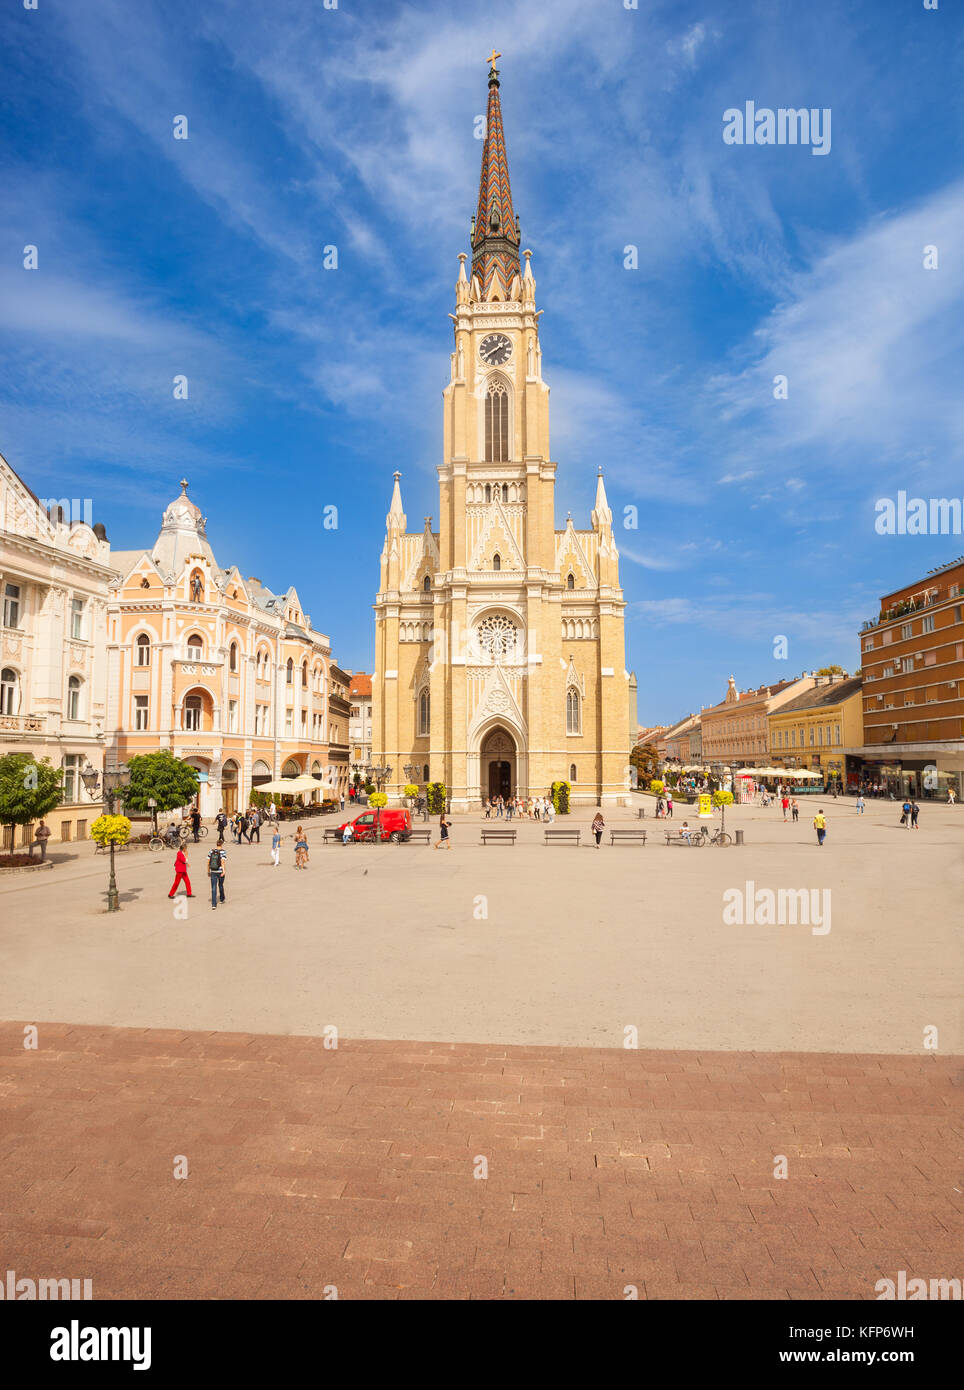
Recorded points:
(739, 837)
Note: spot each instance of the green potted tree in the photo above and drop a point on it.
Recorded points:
(28, 790)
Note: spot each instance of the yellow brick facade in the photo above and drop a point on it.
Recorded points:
(499, 648)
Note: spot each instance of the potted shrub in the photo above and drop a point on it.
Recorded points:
(410, 792)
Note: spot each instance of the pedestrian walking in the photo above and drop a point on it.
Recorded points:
(341, 801)
(598, 826)
(795, 809)
(860, 804)
(195, 823)
(221, 821)
(914, 813)
(180, 874)
(216, 865)
(660, 807)
(444, 832)
(301, 849)
(951, 798)
(669, 805)
(785, 803)
(905, 814)
(41, 836)
(509, 808)
(276, 845)
(820, 826)
(499, 809)
(488, 809)
(254, 820)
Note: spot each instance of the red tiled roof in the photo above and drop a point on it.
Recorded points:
(360, 684)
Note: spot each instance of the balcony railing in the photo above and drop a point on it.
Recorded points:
(907, 605)
(22, 723)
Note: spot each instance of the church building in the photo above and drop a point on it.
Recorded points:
(499, 649)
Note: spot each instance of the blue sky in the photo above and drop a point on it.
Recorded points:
(353, 127)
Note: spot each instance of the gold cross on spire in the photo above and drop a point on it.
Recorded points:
(492, 57)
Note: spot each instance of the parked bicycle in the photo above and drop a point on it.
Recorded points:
(719, 837)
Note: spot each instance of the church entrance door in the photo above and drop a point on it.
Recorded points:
(500, 779)
(498, 763)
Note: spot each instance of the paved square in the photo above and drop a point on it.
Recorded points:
(481, 999)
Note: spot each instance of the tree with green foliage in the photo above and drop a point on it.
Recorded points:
(831, 671)
(645, 759)
(28, 790)
(171, 782)
(435, 792)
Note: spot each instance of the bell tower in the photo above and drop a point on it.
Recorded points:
(498, 639)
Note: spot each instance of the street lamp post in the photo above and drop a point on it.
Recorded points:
(114, 778)
(378, 774)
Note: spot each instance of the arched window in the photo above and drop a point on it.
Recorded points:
(573, 711)
(496, 561)
(73, 697)
(427, 584)
(425, 773)
(304, 675)
(192, 712)
(496, 425)
(488, 492)
(572, 772)
(233, 657)
(290, 672)
(570, 582)
(195, 647)
(505, 492)
(142, 650)
(424, 713)
(9, 691)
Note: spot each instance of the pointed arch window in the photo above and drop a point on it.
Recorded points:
(304, 675)
(290, 672)
(424, 713)
(570, 581)
(496, 425)
(233, 657)
(496, 561)
(488, 492)
(573, 711)
(427, 584)
(195, 647)
(572, 772)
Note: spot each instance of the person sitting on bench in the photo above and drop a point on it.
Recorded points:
(685, 832)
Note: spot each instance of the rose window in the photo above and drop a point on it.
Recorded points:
(498, 637)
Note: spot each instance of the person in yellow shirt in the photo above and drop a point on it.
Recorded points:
(820, 826)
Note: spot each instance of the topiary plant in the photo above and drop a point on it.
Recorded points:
(435, 792)
(560, 797)
(378, 800)
(722, 800)
(410, 789)
(657, 787)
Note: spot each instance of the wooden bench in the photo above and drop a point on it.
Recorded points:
(627, 837)
(558, 836)
(419, 835)
(329, 834)
(500, 836)
(673, 837)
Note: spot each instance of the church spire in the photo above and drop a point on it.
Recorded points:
(495, 231)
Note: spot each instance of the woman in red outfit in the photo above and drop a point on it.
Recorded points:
(180, 871)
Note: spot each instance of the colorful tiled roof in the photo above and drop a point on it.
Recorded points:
(495, 244)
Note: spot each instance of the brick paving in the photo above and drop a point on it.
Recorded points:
(354, 1168)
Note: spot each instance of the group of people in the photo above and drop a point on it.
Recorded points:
(526, 808)
(217, 857)
(664, 805)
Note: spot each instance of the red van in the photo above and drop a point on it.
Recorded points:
(394, 823)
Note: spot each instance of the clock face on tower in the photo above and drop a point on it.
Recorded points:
(495, 349)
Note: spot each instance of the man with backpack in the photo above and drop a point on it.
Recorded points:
(221, 821)
(216, 861)
(254, 824)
